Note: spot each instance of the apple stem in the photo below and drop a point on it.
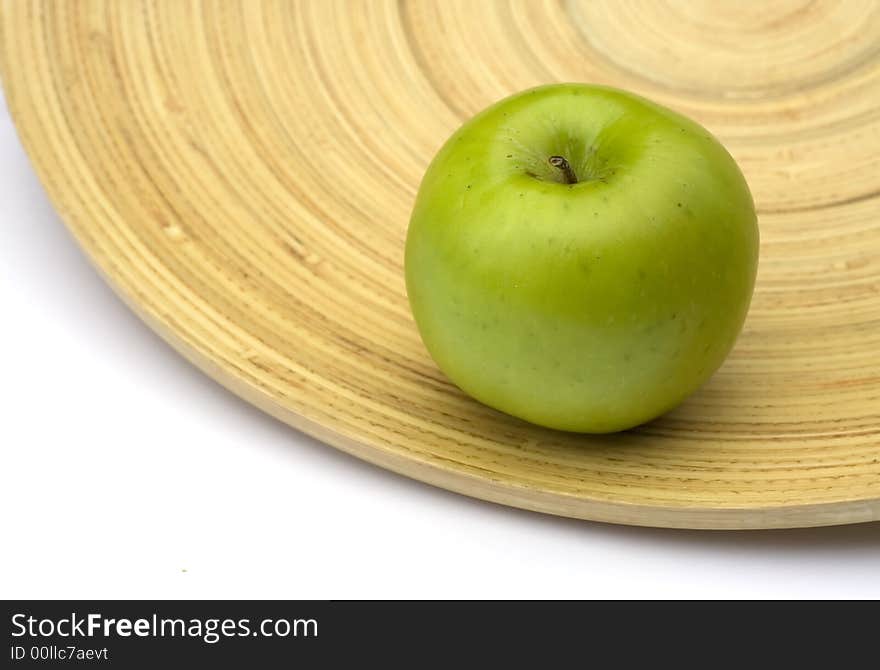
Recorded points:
(561, 164)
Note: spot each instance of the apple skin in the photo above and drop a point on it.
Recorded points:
(589, 307)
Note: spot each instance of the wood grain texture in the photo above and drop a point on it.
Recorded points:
(242, 172)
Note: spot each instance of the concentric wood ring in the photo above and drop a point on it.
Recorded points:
(242, 173)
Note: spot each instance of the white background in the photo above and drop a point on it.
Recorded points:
(126, 473)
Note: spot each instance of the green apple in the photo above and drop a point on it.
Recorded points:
(580, 257)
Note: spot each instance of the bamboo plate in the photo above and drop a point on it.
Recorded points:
(242, 173)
